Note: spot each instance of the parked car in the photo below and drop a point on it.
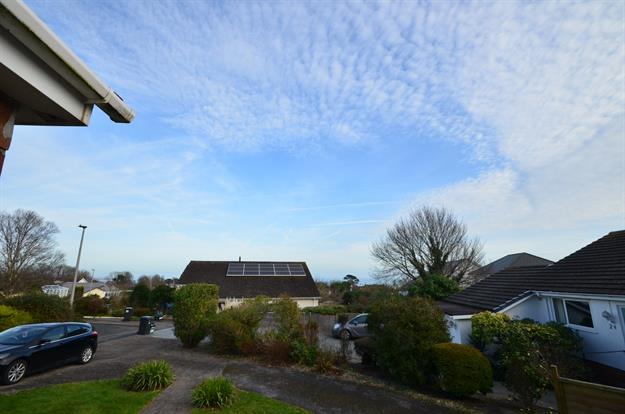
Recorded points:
(30, 348)
(356, 327)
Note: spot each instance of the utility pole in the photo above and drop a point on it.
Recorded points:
(71, 299)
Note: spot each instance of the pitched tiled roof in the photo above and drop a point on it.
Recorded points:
(598, 268)
(511, 260)
(214, 272)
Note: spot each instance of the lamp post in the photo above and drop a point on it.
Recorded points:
(71, 299)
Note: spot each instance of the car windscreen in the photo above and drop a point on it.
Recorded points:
(21, 334)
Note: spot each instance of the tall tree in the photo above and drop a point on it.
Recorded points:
(26, 243)
(430, 241)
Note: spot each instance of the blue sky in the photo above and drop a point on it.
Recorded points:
(300, 131)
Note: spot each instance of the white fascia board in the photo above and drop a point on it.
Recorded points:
(460, 317)
(518, 302)
(33, 33)
(34, 72)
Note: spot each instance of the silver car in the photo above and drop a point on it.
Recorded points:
(356, 327)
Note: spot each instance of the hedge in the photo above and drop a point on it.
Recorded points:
(194, 305)
(42, 307)
(10, 317)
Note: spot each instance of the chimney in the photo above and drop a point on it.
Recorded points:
(239, 258)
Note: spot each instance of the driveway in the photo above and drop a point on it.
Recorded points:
(120, 348)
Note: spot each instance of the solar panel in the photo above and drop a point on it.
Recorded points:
(297, 270)
(265, 269)
(235, 269)
(251, 269)
(281, 269)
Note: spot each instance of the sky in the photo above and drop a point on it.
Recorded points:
(301, 131)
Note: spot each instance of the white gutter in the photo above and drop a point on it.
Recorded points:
(48, 47)
(580, 295)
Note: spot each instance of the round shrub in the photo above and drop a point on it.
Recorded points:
(148, 376)
(10, 317)
(42, 307)
(194, 305)
(460, 370)
(405, 329)
(214, 393)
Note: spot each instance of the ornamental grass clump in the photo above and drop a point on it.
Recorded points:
(214, 393)
(148, 376)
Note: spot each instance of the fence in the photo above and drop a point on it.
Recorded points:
(582, 397)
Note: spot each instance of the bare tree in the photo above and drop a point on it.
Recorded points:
(26, 244)
(430, 241)
(151, 281)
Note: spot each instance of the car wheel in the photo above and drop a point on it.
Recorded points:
(345, 335)
(86, 354)
(14, 372)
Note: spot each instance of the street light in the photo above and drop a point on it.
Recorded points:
(71, 299)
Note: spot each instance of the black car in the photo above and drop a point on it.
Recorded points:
(37, 347)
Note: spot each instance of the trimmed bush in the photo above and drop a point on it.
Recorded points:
(194, 305)
(214, 393)
(460, 370)
(487, 327)
(90, 305)
(148, 376)
(234, 331)
(405, 329)
(42, 307)
(10, 317)
(286, 315)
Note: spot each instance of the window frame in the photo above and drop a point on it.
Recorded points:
(566, 313)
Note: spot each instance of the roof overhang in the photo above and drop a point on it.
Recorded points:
(44, 79)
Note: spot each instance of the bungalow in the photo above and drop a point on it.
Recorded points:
(585, 291)
(238, 281)
(101, 290)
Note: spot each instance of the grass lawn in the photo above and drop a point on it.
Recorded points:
(93, 397)
(253, 403)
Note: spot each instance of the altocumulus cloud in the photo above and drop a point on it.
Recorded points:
(534, 91)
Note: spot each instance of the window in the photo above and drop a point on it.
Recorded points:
(572, 312)
(73, 330)
(558, 306)
(359, 320)
(579, 313)
(54, 334)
